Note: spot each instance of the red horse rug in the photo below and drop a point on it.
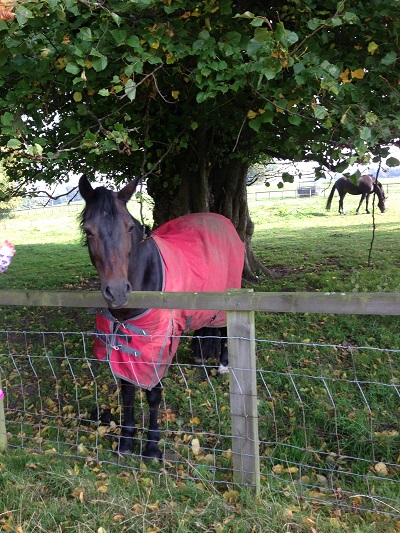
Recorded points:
(201, 252)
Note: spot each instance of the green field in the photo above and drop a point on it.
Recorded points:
(313, 415)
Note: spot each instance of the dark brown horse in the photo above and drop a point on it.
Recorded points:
(194, 253)
(366, 186)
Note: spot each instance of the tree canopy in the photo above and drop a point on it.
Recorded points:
(127, 87)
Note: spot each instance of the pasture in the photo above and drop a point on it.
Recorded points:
(307, 249)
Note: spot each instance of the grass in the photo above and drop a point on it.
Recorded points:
(314, 416)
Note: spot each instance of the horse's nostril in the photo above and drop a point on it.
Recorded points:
(108, 293)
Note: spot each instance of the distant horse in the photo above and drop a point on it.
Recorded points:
(194, 253)
(366, 186)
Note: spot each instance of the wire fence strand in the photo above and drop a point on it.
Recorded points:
(328, 415)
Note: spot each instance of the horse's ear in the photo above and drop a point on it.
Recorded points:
(126, 193)
(85, 188)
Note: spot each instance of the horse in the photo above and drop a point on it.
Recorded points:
(366, 186)
(194, 253)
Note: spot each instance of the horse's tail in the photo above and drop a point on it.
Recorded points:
(206, 343)
(328, 203)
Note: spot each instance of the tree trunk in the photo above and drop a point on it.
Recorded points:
(218, 189)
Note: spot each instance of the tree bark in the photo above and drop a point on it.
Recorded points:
(206, 188)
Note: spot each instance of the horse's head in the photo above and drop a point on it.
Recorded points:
(381, 196)
(110, 233)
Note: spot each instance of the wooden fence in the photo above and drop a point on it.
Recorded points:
(240, 306)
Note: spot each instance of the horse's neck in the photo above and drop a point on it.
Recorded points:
(145, 274)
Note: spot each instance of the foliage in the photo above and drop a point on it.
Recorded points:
(9, 204)
(307, 249)
(127, 87)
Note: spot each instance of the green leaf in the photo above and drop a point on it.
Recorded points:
(295, 120)
(279, 31)
(95, 53)
(365, 133)
(389, 58)
(266, 117)
(72, 68)
(319, 112)
(104, 92)
(7, 119)
(205, 35)
(349, 16)
(314, 23)
(61, 14)
(119, 36)
(257, 22)
(392, 162)
(200, 97)
(287, 178)
(291, 37)
(81, 109)
(22, 14)
(130, 89)
(133, 41)
(85, 34)
(14, 143)
(233, 38)
(100, 63)
(262, 34)
(117, 18)
(336, 21)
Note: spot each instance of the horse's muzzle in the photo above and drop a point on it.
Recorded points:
(116, 295)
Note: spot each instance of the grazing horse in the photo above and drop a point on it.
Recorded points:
(366, 186)
(194, 253)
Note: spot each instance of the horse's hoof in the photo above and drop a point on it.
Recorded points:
(223, 369)
(152, 452)
(125, 446)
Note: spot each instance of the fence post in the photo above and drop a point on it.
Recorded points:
(243, 397)
(3, 433)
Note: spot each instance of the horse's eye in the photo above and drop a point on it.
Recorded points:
(88, 233)
(131, 228)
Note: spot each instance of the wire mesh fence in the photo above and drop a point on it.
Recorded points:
(328, 415)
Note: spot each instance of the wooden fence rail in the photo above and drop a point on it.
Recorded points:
(240, 306)
(380, 303)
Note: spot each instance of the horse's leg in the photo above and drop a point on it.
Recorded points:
(361, 201)
(128, 428)
(223, 358)
(152, 450)
(341, 198)
(366, 204)
(205, 344)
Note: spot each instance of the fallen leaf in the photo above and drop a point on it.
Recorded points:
(291, 470)
(195, 446)
(231, 496)
(381, 469)
(153, 506)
